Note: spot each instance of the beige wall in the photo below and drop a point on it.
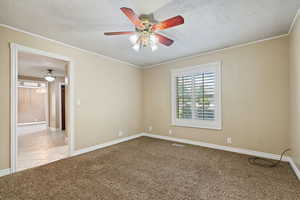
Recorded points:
(115, 96)
(110, 93)
(255, 83)
(295, 92)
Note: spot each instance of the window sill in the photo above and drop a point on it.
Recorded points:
(197, 124)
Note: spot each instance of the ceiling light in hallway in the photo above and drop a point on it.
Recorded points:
(49, 76)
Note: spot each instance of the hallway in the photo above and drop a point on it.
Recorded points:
(38, 145)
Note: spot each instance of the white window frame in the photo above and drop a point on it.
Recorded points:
(206, 124)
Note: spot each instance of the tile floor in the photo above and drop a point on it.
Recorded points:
(39, 146)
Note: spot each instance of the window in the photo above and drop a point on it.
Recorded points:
(196, 96)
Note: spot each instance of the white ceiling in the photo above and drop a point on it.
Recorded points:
(36, 66)
(209, 24)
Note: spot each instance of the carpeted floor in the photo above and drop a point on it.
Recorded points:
(152, 169)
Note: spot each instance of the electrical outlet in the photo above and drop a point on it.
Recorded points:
(120, 133)
(170, 132)
(150, 128)
(229, 140)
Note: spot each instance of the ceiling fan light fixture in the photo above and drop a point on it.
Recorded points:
(145, 34)
(153, 39)
(134, 38)
(49, 76)
(154, 47)
(136, 47)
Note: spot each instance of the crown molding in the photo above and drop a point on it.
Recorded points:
(161, 63)
(215, 51)
(67, 45)
(227, 48)
(294, 21)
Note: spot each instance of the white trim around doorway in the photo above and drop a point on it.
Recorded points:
(14, 50)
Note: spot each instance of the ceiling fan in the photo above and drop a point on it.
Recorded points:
(145, 33)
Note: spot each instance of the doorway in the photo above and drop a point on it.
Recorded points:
(41, 107)
(63, 106)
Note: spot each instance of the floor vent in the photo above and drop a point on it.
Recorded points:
(178, 145)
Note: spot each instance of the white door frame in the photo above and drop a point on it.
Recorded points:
(14, 50)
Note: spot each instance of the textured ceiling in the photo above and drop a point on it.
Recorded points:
(209, 24)
(36, 66)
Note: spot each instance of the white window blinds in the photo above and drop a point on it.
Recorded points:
(196, 93)
(184, 88)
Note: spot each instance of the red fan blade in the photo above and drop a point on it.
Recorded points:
(164, 40)
(132, 17)
(174, 21)
(119, 33)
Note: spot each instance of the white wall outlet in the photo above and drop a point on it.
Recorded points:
(120, 133)
(229, 140)
(150, 128)
(170, 132)
(78, 103)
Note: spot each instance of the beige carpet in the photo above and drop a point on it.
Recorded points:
(153, 169)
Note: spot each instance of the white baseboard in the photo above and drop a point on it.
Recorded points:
(54, 129)
(31, 123)
(219, 147)
(186, 141)
(85, 150)
(23, 130)
(4, 172)
(231, 149)
(197, 143)
(294, 167)
(106, 144)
